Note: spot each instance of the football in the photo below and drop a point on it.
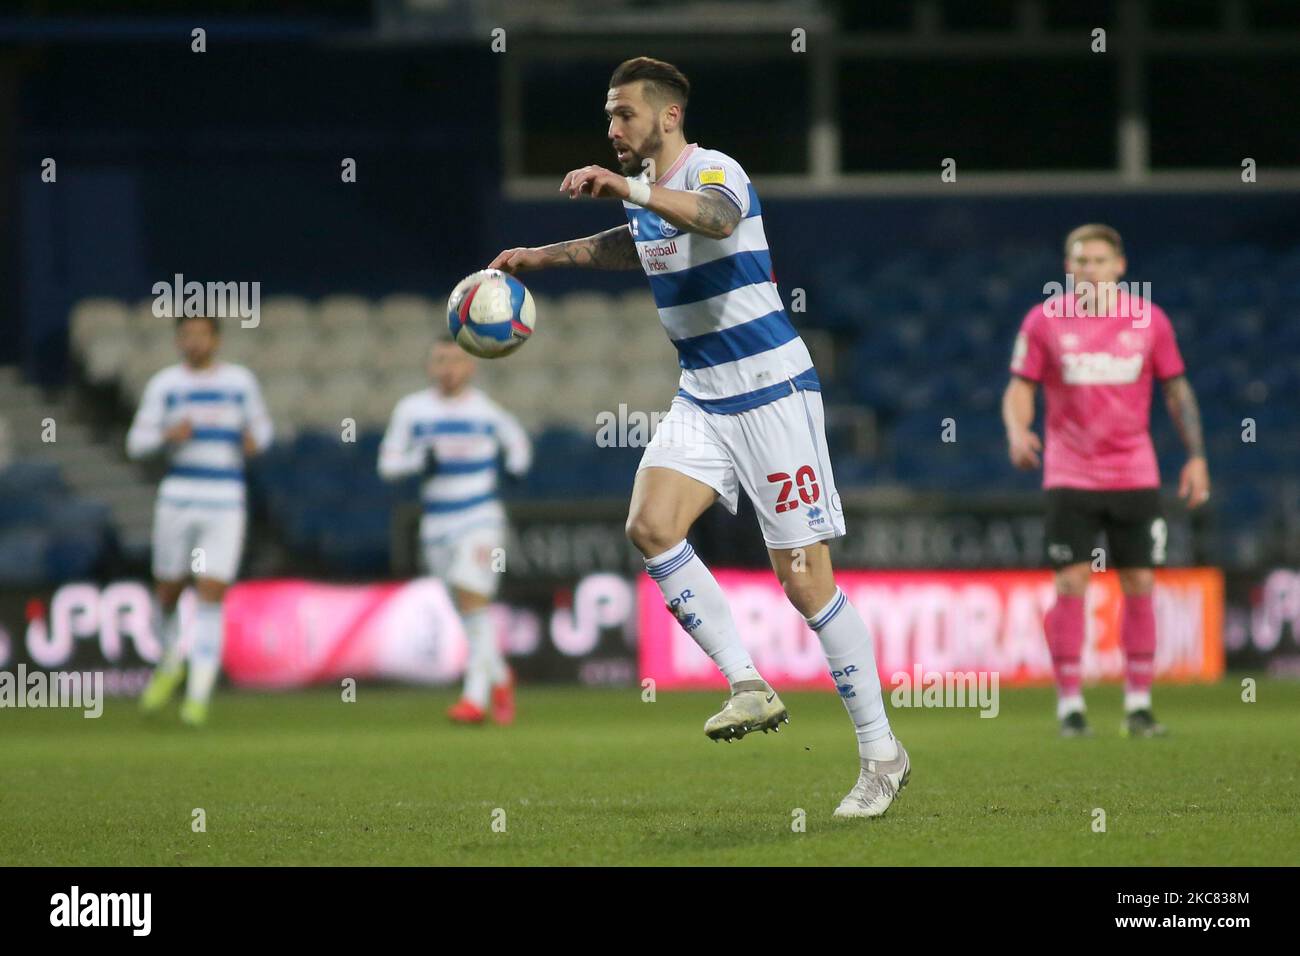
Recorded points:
(490, 314)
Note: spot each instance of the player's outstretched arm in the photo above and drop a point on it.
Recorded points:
(1194, 482)
(1023, 446)
(707, 211)
(400, 455)
(258, 430)
(147, 434)
(612, 249)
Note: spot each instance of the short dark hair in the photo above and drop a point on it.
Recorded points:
(210, 319)
(664, 83)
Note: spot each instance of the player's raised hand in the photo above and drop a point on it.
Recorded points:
(595, 181)
(1024, 448)
(518, 260)
(180, 432)
(1194, 482)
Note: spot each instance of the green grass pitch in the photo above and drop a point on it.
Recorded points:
(600, 777)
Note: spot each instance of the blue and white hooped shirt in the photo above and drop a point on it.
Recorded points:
(717, 298)
(467, 433)
(220, 403)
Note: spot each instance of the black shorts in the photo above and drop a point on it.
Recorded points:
(1135, 530)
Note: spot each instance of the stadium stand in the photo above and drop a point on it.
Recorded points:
(900, 346)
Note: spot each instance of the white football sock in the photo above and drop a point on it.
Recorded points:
(701, 609)
(1137, 700)
(167, 626)
(852, 658)
(498, 669)
(205, 653)
(481, 667)
(1069, 704)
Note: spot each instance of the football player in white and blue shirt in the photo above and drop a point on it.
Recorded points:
(748, 412)
(207, 416)
(453, 434)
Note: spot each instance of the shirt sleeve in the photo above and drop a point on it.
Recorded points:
(1029, 355)
(1166, 360)
(400, 455)
(719, 173)
(146, 434)
(257, 418)
(515, 444)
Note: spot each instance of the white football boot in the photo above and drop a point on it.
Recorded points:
(878, 784)
(753, 705)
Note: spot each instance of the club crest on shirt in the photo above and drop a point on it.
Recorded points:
(1069, 340)
(668, 229)
(1128, 339)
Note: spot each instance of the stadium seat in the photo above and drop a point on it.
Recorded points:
(29, 478)
(94, 320)
(401, 313)
(22, 556)
(286, 317)
(334, 312)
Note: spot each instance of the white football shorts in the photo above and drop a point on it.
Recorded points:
(468, 559)
(776, 452)
(197, 539)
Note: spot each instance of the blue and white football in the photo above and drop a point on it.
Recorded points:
(490, 314)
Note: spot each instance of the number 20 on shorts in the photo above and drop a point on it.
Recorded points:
(805, 478)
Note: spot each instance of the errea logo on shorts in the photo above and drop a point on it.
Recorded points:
(133, 910)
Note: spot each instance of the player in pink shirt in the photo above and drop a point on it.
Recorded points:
(1095, 350)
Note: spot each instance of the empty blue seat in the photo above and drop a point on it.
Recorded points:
(22, 556)
(73, 554)
(30, 477)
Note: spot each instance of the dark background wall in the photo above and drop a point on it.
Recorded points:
(227, 166)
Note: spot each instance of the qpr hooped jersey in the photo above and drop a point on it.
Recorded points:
(717, 298)
(220, 403)
(467, 432)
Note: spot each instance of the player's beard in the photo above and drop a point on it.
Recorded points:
(632, 166)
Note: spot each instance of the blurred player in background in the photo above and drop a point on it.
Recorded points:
(1096, 359)
(748, 412)
(207, 416)
(452, 434)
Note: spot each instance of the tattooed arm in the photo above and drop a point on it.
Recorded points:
(1181, 403)
(706, 211)
(611, 249)
(1194, 482)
